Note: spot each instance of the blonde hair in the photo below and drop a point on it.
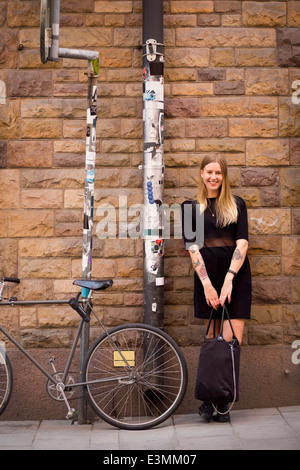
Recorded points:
(226, 208)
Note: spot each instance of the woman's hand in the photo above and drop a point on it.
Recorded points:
(226, 289)
(211, 295)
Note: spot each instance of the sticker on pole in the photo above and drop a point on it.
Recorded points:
(120, 358)
(45, 30)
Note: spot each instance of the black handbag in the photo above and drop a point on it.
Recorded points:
(218, 367)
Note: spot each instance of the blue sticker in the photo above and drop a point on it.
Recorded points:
(90, 176)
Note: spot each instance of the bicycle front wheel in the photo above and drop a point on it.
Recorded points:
(137, 376)
(6, 380)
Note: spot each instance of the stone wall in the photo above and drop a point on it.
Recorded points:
(232, 80)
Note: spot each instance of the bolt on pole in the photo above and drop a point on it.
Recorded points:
(153, 162)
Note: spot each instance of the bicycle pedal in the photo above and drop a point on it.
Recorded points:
(70, 413)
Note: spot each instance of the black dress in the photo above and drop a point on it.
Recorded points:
(217, 250)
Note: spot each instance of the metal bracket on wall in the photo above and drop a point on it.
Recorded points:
(151, 50)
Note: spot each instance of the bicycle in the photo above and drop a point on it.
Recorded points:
(134, 375)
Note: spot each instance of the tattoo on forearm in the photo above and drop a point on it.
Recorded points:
(196, 263)
(194, 248)
(202, 272)
(237, 254)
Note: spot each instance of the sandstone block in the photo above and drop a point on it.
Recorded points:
(192, 89)
(265, 265)
(9, 184)
(226, 37)
(288, 47)
(9, 120)
(265, 314)
(101, 268)
(295, 151)
(77, 5)
(46, 338)
(50, 268)
(222, 57)
(9, 256)
(68, 223)
(187, 57)
(248, 127)
(3, 154)
(191, 7)
(3, 223)
(23, 14)
(238, 106)
(53, 317)
(41, 129)
(128, 267)
(291, 256)
(106, 6)
(269, 221)
(265, 245)
(267, 152)
(293, 13)
(54, 108)
(256, 57)
(114, 316)
(289, 118)
(8, 48)
(85, 37)
(207, 128)
(290, 186)
(29, 83)
(264, 13)
(52, 179)
(229, 88)
(271, 291)
(259, 177)
(115, 57)
(50, 247)
(258, 82)
(30, 223)
(41, 198)
(30, 154)
(263, 335)
(291, 323)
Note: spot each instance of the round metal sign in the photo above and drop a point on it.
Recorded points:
(45, 31)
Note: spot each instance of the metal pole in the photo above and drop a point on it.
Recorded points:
(153, 162)
(93, 71)
(54, 15)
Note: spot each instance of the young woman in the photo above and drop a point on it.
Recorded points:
(222, 270)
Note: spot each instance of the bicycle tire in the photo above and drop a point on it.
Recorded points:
(146, 393)
(6, 380)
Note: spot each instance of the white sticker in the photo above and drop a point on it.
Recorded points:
(160, 281)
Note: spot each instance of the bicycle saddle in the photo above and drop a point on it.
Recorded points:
(94, 285)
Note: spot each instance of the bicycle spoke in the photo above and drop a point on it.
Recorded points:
(152, 386)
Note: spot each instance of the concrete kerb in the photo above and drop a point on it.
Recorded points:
(255, 429)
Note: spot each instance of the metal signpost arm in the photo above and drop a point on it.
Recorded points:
(153, 162)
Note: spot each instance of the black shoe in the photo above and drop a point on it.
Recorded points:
(225, 416)
(206, 411)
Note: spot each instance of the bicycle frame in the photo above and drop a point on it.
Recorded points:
(28, 355)
(73, 347)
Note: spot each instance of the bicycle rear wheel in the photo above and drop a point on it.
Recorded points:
(139, 374)
(6, 380)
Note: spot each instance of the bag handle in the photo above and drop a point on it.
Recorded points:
(222, 323)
